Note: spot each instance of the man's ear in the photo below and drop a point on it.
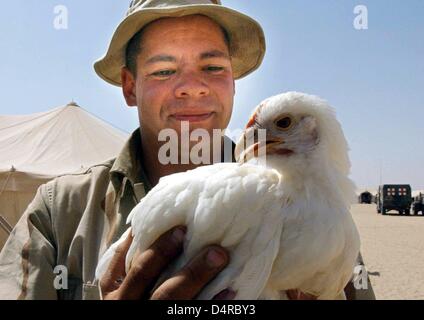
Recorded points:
(128, 87)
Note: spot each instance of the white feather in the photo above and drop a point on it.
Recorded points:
(286, 226)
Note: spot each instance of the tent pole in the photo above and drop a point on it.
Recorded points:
(5, 225)
(7, 180)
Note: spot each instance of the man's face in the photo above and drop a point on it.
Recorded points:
(183, 74)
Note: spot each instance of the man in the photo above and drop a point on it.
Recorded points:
(176, 62)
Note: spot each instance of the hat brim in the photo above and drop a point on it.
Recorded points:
(247, 40)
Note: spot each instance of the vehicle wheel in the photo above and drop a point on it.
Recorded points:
(383, 211)
(408, 212)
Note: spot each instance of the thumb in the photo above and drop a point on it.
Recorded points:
(115, 273)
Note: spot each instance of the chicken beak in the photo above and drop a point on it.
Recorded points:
(244, 152)
(272, 141)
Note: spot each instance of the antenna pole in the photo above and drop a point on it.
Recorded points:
(381, 171)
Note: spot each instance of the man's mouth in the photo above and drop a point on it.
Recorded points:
(190, 117)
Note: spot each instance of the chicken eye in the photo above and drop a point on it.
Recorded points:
(284, 123)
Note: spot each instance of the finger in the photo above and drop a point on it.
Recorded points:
(295, 294)
(146, 268)
(292, 294)
(226, 294)
(190, 280)
(307, 296)
(116, 269)
(118, 262)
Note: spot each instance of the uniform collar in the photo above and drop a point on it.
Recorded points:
(128, 166)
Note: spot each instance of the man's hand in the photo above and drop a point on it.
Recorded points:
(147, 267)
(299, 295)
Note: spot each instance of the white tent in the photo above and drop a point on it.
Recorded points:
(38, 147)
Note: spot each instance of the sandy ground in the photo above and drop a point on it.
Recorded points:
(393, 252)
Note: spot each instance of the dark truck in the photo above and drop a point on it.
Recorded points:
(365, 197)
(394, 197)
(418, 204)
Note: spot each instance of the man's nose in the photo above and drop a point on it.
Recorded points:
(191, 86)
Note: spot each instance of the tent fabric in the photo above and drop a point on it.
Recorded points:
(38, 147)
(21, 181)
(56, 142)
(12, 205)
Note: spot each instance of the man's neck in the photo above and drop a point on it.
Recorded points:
(153, 168)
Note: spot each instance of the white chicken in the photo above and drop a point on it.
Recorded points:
(286, 225)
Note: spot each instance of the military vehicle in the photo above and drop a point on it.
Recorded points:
(394, 197)
(418, 204)
(365, 197)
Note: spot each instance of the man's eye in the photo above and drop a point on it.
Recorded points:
(214, 68)
(163, 73)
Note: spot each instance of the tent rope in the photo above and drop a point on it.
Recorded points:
(7, 180)
(5, 225)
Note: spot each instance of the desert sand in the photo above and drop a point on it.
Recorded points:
(392, 248)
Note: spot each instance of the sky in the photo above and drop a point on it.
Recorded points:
(373, 77)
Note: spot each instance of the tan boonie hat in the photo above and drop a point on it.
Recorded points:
(247, 40)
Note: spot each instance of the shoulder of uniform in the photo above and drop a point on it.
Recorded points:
(106, 165)
(79, 183)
